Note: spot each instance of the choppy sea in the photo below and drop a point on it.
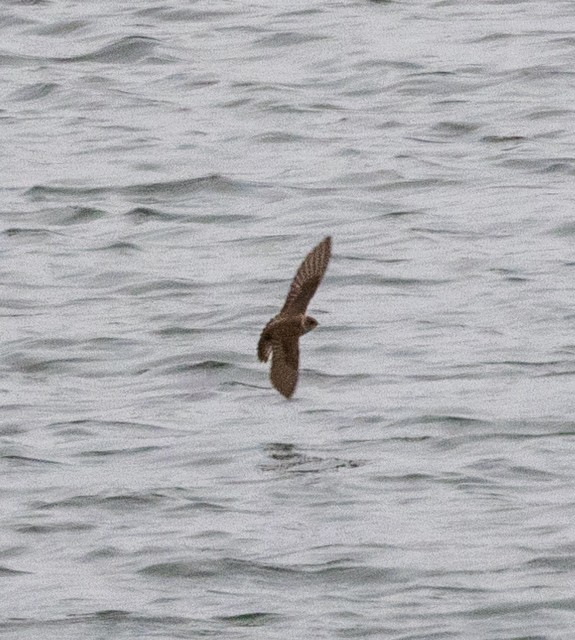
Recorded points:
(165, 166)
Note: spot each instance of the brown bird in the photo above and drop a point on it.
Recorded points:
(280, 336)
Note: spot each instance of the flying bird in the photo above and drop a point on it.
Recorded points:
(280, 337)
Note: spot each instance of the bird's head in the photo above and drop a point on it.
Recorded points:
(309, 323)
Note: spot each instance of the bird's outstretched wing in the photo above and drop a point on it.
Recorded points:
(308, 277)
(265, 343)
(285, 363)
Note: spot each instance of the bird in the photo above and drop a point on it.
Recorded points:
(280, 337)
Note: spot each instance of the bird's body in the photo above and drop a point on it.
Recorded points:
(280, 336)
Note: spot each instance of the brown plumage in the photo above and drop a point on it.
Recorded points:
(280, 336)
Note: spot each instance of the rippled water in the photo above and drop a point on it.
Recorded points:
(165, 167)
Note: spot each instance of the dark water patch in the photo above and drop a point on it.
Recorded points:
(14, 305)
(108, 281)
(537, 72)
(140, 215)
(312, 11)
(105, 623)
(528, 607)
(341, 572)
(375, 178)
(435, 84)
(381, 281)
(495, 37)
(8, 59)
(369, 258)
(59, 527)
(286, 458)
(102, 553)
(446, 420)
(111, 613)
(215, 218)
(434, 377)
(22, 232)
(439, 231)
(375, 418)
(273, 106)
(64, 27)
(41, 192)
(382, 63)
(473, 482)
(549, 114)
(568, 40)
(252, 619)
(183, 569)
(454, 441)
(51, 343)
(530, 473)
(565, 230)
(340, 377)
(101, 345)
(162, 288)
(561, 166)
(555, 564)
(331, 572)
(278, 137)
(552, 374)
(117, 502)
(8, 429)
(525, 429)
(511, 275)
(197, 504)
(408, 185)
(124, 451)
(288, 39)
(454, 129)
(35, 91)
(90, 426)
(55, 366)
(27, 460)
(399, 213)
(6, 572)
(184, 366)
(121, 247)
(178, 331)
(532, 365)
(212, 183)
(408, 479)
(211, 364)
(503, 139)
(125, 50)
(79, 215)
(186, 15)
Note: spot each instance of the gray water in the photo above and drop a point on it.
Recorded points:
(165, 167)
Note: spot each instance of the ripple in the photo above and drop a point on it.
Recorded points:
(36, 91)
(252, 619)
(6, 572)
(212, 183)
(125, 50)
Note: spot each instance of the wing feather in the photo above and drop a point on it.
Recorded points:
(308, 277)
(285, 364)
(265, 342)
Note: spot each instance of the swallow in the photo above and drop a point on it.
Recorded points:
(280, 337)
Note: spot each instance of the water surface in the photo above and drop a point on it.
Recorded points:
(165, 168)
